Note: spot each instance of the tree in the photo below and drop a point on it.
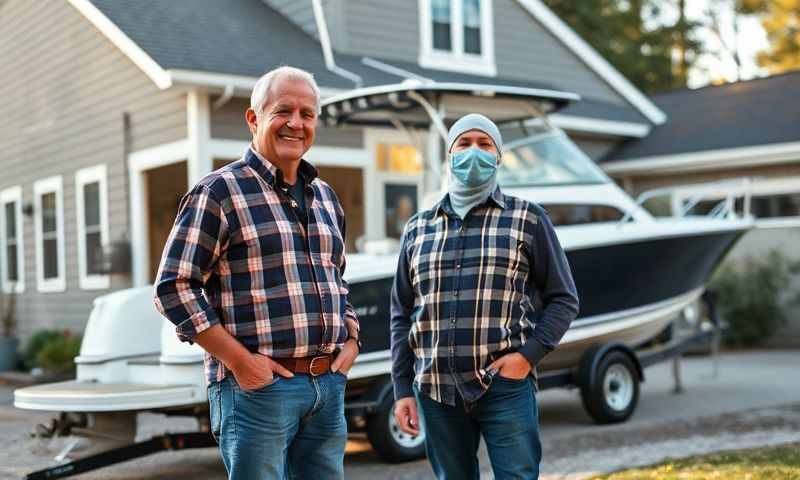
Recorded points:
(633, 36)
(781, 20)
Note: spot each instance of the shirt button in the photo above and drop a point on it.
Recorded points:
(458, 266)
(456, 294)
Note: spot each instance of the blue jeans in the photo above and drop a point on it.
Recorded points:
(506, 415)
(292, 428)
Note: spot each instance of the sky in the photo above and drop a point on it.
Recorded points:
(752, 38)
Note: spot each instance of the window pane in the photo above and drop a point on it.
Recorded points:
(11, 221)
(401, 204)
(565, 214)
(11, 258)
(91, 203)
(472, 40)
(94, 253)
(50, 258)
(440, 13)
(398, 158)
(472, 26)
(49, 212)
(787, 205)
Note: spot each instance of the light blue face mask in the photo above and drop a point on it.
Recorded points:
(473, 167)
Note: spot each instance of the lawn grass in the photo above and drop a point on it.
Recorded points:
(771, 463)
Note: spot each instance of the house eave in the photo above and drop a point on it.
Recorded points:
(594, 60)
(721, 159)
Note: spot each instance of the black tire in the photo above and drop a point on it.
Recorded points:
(385, 441)
(617, 370)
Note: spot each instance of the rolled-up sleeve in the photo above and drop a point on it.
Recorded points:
(193, 248)
(402, 306)
(552, 278)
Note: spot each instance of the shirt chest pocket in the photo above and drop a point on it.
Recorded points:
(331, 244)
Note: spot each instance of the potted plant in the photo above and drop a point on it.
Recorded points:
(8, 339)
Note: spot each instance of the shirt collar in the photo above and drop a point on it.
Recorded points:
(272, 174)
(496, 197)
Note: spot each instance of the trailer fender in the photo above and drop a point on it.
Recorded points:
(587, 368)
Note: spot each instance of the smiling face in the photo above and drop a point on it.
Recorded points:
(284, 131)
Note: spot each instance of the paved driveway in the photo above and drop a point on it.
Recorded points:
(755, 400)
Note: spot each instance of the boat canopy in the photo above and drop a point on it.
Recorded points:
(420, 105)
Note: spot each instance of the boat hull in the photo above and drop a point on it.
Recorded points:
(629, 292)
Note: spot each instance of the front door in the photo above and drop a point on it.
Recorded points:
(164, 188)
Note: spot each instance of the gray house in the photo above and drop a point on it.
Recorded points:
(111, 110)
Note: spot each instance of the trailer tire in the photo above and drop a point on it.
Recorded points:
(612, 393)
(391, 444)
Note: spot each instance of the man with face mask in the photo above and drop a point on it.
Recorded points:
(482, 293)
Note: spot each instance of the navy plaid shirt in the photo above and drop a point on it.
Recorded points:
(469, 291)
(238, 256)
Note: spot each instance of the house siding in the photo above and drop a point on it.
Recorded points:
(65, 88)
(546, 59)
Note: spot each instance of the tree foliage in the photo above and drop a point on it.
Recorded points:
(632, 36)
(781, 21)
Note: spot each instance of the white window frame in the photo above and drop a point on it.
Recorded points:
(12, 195)
(83, 177)
(376, 181)
(55, 185)
(457, 60)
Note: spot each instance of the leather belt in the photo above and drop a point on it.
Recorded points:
(313, 366)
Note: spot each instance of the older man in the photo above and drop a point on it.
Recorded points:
(465, 333)
(252, 271)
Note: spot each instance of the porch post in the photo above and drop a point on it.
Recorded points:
(198, 130)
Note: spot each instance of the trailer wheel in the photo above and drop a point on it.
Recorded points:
(390, 443)
(612, 394)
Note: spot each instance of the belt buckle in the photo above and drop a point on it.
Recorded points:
(311, 366)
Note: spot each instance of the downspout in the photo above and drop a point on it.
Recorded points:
(327, 51)
(227, 94)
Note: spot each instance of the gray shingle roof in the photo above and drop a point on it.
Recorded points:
(755, 112)
(248, 38)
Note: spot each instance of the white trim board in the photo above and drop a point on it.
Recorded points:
(45, 186)
(594, 60)
(595, 125)
(722, 159)
(84, 177)
(12, 195)
(130, 48)
(138, 163)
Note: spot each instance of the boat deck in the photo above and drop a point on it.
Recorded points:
(81, 396)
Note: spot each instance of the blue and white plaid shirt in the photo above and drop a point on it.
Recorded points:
(239, 256)
(465, 293)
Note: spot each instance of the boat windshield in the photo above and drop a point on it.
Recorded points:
(547, 159)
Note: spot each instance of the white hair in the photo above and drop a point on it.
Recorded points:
(264, 86)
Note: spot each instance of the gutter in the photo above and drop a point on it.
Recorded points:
(327, 51)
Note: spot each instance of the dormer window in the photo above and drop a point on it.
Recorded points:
(457, 35)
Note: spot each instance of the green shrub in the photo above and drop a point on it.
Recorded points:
(753, 296)
(35, 345)
(52, 350)
(57, 355)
